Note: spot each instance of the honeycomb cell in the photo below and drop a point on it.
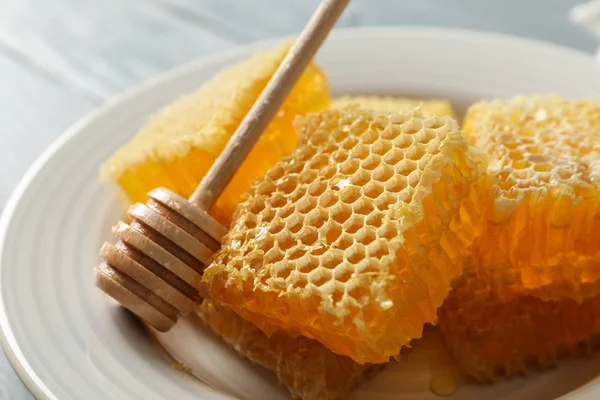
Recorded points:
(381, 147)
(297, 280)
(390, 132)
(308, 235)
(350, 166)
(331, 232)
(266, 188)
(369, 137)
(544, 155)
(375, 218)
(405, 166)
(278, 200)
(264, 242)
(305, 204)
(295, 223)
(257, 205)
(355, 253)
(406, 194)
(321, 275)
(267, 215)
(306, 176)
(351, 143)
(415, 152)
(383, 172)
(250, 220)
(365, 235)
(362, 207)
(398, 182)
(275, 173)
(387, 231)
(288, 184)
(340, 212)
(285, 211)
(355, 222)
(360, 177)
(371, 162)
(373, 189)
(317, 217)
(321, 164)
(274, 255)
(403, 142)
(330, 260)
(343, 272)
(412, 126)
(369, 287)
(339, 156)
(276, 225)
(317, 187)
(378, 249)
(350, 194)
(295, 254)
(385, 201)
(360, 151)
(344, 241)
(285, 241)
(298, 194)
(424, 136)
(307, 263)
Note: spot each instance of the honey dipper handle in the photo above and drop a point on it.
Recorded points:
(267, 104)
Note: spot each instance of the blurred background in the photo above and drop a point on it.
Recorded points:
(59, 59)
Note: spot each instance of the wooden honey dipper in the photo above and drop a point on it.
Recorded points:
(155, 268)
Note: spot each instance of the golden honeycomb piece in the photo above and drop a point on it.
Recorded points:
(489, 336)
(354, 238)
(177, 146)
(305, 367)
(542, 234)
(429, 107)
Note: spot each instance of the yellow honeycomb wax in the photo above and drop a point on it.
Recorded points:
(309, 370)
(177, 146)
(542, 237)
(489, 336)
(354, 238)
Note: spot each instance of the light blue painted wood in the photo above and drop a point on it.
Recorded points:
(34, 110)
(540, 19)
(102, 47)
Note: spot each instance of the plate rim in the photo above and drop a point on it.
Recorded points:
(8, 341)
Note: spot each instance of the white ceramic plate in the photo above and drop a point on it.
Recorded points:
(69, 341)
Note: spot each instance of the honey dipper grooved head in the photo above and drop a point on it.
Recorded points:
(155, 268)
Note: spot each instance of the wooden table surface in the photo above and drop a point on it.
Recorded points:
(59, 59)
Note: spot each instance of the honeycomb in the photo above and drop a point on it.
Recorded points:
(177, 146)
(354, 238)
(308, 369)
(489, 336)
(542, 234)
(429, 107)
